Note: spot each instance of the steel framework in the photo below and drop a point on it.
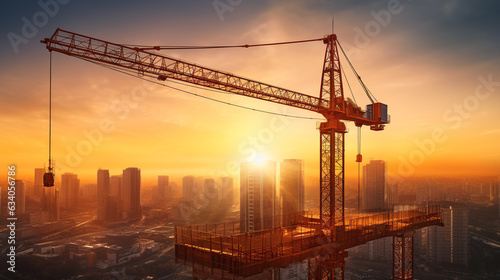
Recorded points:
(330, 227)
(221, 251)
(402, 255)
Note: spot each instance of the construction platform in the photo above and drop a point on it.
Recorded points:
(222, 251)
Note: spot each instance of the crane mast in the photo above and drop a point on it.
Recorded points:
(331, 104)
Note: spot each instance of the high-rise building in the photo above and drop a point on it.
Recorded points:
(422, 194)
(188, 189)
(448, 244)
(102, 194)
(89, 192)
(164, 191)
(20, 197)
(50, 202)
(227, 192)
(115, 186)
(292, 188)
(258, 201)
(374, 185)
(210, 194)
(131, 195)
(54, 207)
(38, 184)
(70, 190)
(376, 250)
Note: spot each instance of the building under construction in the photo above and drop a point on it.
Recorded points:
(223, 251)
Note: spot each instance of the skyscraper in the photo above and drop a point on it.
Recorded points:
(132, 193)
(38, 184)
(164, 191)
(54, 206)
(70, 190)
(374, 185)
(258, 202)
(449, 244)
(292, 188)
(51, 202)
(227, 192)
(211, 194)
(20, 197)
(188, 189)
(102, 194)
(115, 186)
(115, 202)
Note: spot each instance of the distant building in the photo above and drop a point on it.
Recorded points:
(164, 191)
(448, 244)
(70, 190)
(38, 184)
(161, 193)
(392, 194)
(292, 188)
(376, 250)
(131, 195)
(89, 192)
(51, 202)
(422, 194)
(20, 197)
(188, 190)
(373, 191)
(227, 192)
(258, 201)
(210, 194)
(115, 186)
(102, 194)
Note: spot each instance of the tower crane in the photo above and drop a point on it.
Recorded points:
(331, 104)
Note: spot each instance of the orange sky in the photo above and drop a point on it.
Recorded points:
(171, 133)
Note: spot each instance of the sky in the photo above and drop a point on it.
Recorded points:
(436, 65)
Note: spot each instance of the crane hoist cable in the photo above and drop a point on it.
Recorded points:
(358, 160)
(48, 177)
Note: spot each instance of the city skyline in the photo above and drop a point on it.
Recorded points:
(234, 139)
(168, 123)
(118, 235)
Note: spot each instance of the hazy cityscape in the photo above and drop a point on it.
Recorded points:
(249, 140)
(117, 226)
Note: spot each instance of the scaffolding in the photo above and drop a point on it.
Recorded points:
(222, 251)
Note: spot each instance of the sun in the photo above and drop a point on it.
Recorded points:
(258, 159)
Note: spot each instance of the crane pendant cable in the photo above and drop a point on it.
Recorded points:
(48, 177)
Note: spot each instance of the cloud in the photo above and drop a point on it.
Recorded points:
(490, 132)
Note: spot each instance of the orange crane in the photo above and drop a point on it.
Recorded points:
(330, 103)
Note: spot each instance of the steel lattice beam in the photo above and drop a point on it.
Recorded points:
(402, 257)
(164, 67)
(331, 165)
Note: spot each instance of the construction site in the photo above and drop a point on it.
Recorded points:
(226, 251)
(222, 251)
